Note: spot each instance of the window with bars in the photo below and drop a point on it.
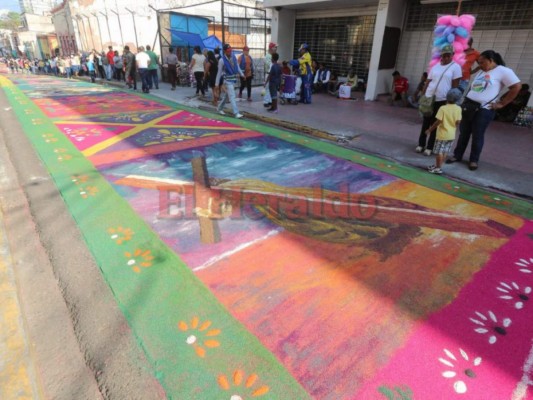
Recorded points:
(490, 14)
(343, 43)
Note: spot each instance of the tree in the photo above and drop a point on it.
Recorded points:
(10, 21)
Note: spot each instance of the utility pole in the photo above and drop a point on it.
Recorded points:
(158, 33)
(134, 26)
(79, 18)
(90, 29)
(99, 31)
(108, 30)
(223, 18)
(119, 26)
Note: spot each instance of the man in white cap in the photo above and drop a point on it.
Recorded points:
(272, 48)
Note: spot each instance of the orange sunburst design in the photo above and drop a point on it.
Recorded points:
(88, 191)
(139, 258)
(62, 154)
(236, 381)
(49, 138)
(193, 339)
(120, 234)
(79, 179)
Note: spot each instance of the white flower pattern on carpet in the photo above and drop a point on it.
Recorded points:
(457, 370)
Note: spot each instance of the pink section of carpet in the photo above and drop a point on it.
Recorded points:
(450, 356)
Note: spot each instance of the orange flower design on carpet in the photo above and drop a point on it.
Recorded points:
(202, 333)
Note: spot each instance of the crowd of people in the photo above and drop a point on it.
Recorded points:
(474, 89)
(106, 66)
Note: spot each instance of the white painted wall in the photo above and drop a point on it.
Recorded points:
(390, 13)
(283, 26)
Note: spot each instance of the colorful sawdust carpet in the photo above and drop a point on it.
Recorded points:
(257, 263)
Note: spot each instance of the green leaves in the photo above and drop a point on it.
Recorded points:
(10, 21)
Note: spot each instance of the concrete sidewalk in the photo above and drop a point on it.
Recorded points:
(17, 374)
(391, 132)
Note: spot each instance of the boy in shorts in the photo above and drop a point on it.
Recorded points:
(448, 119)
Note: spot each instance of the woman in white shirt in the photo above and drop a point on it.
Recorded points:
(479, 106)
(442, 77)
(197, 68)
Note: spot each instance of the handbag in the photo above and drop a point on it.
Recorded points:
(426, 104)
(470, 107)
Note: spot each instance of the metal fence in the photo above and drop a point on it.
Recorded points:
(236, 24)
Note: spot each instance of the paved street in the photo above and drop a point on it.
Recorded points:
(160, 250)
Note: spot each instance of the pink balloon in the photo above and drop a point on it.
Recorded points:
(455, 21)
(467, 18)
(444, 20)
(467, 21)
(459, 58)
(467, 26)
(462, 40)
(458, 47)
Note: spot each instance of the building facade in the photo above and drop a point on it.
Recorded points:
(37, 7)
(376, 37)
(37, 38)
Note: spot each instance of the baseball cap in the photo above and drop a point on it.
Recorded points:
(446, 50)
(453, 95)
(226, 46)
(271, 45)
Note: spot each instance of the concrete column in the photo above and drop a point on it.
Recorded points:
(283, 27)
(391, 13)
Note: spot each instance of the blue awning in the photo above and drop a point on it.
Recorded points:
(212, 42)
(192, 39)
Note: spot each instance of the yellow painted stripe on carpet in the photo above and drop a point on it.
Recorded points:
(124, 135)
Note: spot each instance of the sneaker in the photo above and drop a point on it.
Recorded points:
(427, 152)
(435, 170)
(239, 115)
(267, 104)
(221, 112)
(432, 167)
(273, 111)
(249, 99)
(419, 149)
